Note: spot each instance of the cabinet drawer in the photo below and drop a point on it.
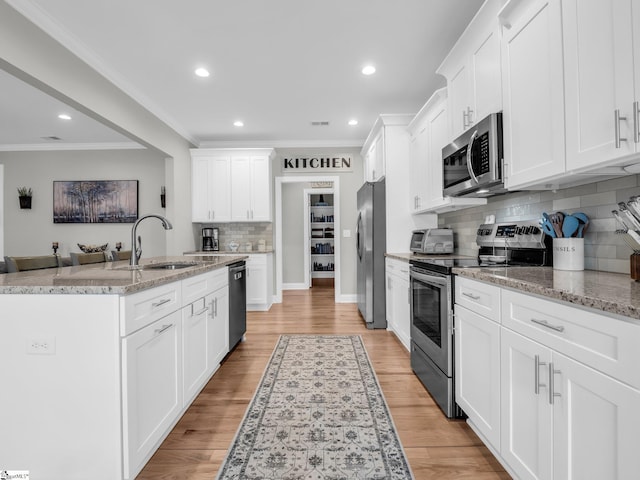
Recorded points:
(601, 342)
(478, 297)
(397, 267)
(142, 308)
(197, 287)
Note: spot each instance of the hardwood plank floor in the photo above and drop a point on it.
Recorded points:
(436, 447)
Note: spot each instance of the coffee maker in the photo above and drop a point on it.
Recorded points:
(210, 241)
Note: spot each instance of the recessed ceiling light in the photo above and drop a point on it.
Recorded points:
(369, 70)
(238, 123)
(353, 122)
(64, 116)
(202, 72)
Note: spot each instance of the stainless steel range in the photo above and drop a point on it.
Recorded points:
(432, 320)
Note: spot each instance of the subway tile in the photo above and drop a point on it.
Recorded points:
(624, 194)
(627, 181)
(613, 265)
(566, 203)
(581, 190)
(598, 199)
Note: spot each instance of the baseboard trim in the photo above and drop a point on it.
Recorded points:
(348, 298)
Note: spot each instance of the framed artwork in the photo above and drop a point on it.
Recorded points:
(95, 201)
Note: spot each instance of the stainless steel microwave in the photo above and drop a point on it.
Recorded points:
(472, 164)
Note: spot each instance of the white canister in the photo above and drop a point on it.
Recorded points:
(568, 253)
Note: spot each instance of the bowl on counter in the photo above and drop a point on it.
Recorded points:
(233, 246)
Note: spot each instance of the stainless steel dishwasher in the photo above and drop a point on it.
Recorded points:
(237, 302)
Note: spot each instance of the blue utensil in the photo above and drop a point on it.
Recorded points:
(584, 223)
(570, 226)
(546, 225)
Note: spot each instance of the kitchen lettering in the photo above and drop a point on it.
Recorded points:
(333, 163)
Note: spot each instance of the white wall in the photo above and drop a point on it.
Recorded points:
(31, 232)
(293, 233)
(350, 182)
(31, 55)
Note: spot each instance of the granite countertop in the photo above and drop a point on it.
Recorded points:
(613, 293)
(405, 257)
(227, 252)
(108, 277)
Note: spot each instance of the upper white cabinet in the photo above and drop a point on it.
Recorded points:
(374, 159)
(429, 133)
(601, 93)
(533, 117)
(472, 70)
(231, 185)
(570, 91)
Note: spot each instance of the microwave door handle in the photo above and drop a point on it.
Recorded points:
(474, 135)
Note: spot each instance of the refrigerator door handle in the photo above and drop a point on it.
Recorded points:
(358, 231)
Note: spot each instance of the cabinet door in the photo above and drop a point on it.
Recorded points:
(218, 326)
(200, 190)
(596, 424)
(401, 309)
(533, 98)
(256, 283)
(220, 189)
(486, 83)
(438, 138)
(477, 364)
(419, 152)
(152, 388)
(260, 190)
(526, 416)
(459, 100)
(195, 331)
(598, 79)
(241, 189)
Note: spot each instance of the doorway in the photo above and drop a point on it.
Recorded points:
(319, 243)
(303, 224)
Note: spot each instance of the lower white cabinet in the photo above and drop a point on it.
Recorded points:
(527, 430)
(477, 378)
(218, 325)
(558, 381)
(260, 282)
(152, 388)
(397, 304)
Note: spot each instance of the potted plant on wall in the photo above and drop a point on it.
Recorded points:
(24, 195)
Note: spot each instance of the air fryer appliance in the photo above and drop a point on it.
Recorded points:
(210, 242)
(371, 245)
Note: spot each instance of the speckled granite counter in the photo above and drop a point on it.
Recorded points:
(609, 292)
(405, 257)
(228, 252)
(108, 277)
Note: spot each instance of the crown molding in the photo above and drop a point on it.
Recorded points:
(58, 32)
(42, 147)
(282, 144)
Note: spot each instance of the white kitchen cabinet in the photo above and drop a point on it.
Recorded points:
(477, 362)
(260, 282)
(397, 304)
(526, 419)
(210, 188)
(532, 78)
(231, 185)
(472, 70)
(429, 133)
(195, 332)
(374, 159)
(251, 188)
(595, 424)
(152, 388)
(218, 324)
(599, 80)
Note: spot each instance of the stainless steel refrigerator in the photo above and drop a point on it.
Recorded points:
(371, 245)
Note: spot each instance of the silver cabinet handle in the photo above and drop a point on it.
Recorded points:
(161, 302)
(636, 121)
(215, 306)
(158, 331)
(552, 393)
(538, 364)
(471, 296)
(617, 119)
(544, 323)
(465, 116)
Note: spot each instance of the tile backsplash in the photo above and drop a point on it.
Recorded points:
(244, 232)
(604, 250)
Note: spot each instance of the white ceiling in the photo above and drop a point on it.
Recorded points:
(276, 65)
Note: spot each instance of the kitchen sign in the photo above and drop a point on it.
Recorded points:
(339, 163)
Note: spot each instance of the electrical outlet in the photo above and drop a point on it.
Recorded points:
(45, 345)
(346, 233)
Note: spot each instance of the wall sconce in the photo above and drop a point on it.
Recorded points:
(163, 197)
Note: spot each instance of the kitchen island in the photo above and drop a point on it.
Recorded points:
(100, 361)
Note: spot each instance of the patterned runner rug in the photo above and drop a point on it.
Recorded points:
(318, 413)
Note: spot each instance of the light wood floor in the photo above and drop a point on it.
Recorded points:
(437, 448)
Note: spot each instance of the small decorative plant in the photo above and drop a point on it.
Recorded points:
(24, 195)
(25, 192)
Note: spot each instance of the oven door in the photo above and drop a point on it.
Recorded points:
(431, 316)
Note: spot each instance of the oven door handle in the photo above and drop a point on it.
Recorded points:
(432, 279)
